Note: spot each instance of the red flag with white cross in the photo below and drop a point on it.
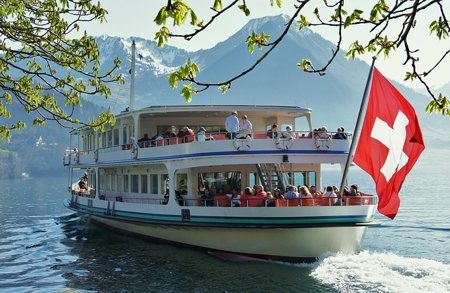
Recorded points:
(390, 142)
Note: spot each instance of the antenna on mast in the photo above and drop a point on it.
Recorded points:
(133, 74)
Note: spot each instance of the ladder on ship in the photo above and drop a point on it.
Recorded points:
(272, 176)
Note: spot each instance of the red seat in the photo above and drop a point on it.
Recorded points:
(219, 136)
(323, 201)
(281, 203)
(259, 135)
(222, 201)
(354, 201)
(173, 140)
(307, 201)
(189, 138)
(160, 142)
(293, 202)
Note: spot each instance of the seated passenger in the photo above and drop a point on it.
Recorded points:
(207, 198)
(273, 132)
(247, 197)
(277, 194)
(330, 194)
(323, 133)
(235, 197)
(291, 192)
(304, 192)
(259, 191)
(145, 138)
(201, 134)
(339, 134)
(354, 190)
(288, 134)
(245, 128)
(83, 184)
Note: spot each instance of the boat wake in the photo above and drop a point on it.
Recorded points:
(382, 272)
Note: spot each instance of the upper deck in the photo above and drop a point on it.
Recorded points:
(121, 143)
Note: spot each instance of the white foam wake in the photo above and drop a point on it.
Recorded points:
(382, 272)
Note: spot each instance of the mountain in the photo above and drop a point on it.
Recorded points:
(334, 98)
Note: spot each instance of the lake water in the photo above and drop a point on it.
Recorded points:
(46, 248)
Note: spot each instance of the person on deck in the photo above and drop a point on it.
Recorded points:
(245, 127)
(235, 197)
(292, 192)
(83, 184)
(330, 194)
(354, 190)
(288, 134)
(232, 125)
(273, 132)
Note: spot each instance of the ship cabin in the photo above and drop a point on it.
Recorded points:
(150, 157)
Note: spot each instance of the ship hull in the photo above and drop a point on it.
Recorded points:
(289, 243)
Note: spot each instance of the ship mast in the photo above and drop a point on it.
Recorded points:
(133, 74)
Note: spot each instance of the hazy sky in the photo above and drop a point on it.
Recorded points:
(135, 18)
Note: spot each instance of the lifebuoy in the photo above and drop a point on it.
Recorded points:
(243, 144)
(322, 144)
(284, 143)
(134, 150)
(96, 155)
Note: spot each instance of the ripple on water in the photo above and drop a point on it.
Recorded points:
(383, 272)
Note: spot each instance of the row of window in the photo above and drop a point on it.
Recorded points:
(107, 139)
(142, 183)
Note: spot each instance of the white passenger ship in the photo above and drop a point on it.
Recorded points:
(128, 181)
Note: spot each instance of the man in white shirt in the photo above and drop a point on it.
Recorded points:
(331, 194)
(245, 127)
(232, 125)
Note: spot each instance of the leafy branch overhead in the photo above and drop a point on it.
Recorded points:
(388, 25)
(44, 70)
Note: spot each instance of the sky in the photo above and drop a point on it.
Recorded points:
(135, 18)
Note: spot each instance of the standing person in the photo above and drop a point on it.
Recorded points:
(273, 132)
(245, 127)
(232, 125)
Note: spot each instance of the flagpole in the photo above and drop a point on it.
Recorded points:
(362, 111)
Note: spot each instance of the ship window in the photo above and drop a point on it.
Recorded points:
(104, 140)
(108, 182)
(102, 182)
(182, 183)
(109, 138)
(116, 137)
(306, 178)
(113, 182)
(130, 132)
(222, 182)
(154, 184)
(144, 184)
(134, 183)
(124, 135)
(126, 183)
(164, 183)
(119, 183)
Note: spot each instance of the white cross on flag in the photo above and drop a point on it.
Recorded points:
(390, 142)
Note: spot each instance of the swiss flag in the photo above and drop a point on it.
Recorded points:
(390, 142)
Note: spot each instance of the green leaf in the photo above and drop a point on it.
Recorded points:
(225, 87)
(187, 92)
(217, 5)
(305, 65)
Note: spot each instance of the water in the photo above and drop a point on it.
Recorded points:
(46, 248)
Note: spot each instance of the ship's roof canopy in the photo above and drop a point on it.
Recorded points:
(220, 111)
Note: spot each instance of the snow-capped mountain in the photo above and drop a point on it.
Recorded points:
(334, 98)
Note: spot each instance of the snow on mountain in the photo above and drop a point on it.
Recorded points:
(334, 98)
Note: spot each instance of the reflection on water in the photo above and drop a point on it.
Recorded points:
(45, 247)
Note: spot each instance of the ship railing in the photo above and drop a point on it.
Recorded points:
(220, 135)
(223, 201)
